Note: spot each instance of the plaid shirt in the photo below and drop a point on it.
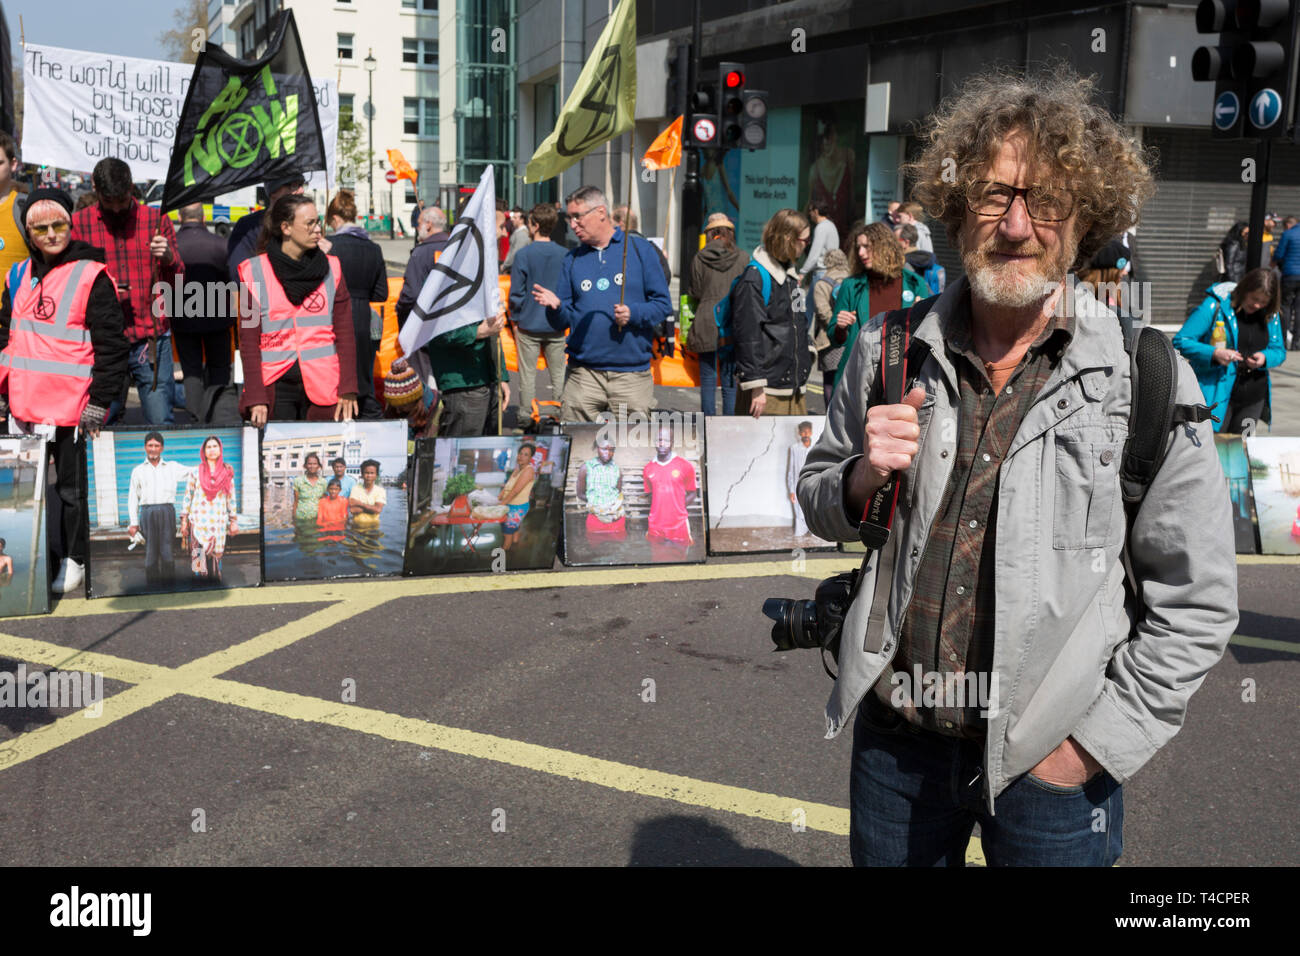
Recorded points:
(126, 254)
(948, 627)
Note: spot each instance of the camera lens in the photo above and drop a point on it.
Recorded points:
(796, 623)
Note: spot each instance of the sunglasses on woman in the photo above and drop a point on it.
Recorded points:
(59, 228)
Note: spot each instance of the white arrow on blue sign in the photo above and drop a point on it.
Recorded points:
(1226, 109)
(1265, 108)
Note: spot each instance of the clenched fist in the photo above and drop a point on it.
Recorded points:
(889, 443)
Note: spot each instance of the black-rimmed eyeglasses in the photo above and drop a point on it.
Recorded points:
(1043, 203)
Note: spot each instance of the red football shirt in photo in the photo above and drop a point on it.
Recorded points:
(668, 484)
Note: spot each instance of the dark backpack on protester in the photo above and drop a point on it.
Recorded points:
(1153, 413)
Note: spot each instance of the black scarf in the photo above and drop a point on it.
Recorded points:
(298, 277)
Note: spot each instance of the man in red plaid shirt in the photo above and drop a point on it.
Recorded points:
(139, 246)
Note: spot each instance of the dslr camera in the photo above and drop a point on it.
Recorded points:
(816, 623)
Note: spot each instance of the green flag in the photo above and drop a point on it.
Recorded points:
(602, 104)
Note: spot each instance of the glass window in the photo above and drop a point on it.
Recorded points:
(430, 117)
(411, 116)
(345, 46)
(345, 106)
(410, 50)
(430, 5)
(429, 53)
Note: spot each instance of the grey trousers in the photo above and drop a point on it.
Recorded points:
(530, 346)
(469, 412)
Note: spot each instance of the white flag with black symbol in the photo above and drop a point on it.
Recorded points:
(462, 288)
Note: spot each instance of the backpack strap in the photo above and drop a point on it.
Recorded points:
(15, 278)
(1153, 412)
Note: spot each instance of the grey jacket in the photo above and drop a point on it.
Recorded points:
(1069, 657)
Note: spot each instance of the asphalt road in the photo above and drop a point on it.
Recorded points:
(507, 719)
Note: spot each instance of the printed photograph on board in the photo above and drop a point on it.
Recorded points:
(486, 504)
(635, 492)
(754, 466)
(173, 509)
(1275, 482)
(335, 499)
(1236, 470)
(24, 562)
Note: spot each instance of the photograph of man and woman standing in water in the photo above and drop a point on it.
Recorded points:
(335, 499)
(173, 509)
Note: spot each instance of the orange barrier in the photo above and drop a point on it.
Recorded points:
(680, 371)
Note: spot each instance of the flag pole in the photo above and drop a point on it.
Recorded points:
(500, 399)
(627, 220)
(668, 214)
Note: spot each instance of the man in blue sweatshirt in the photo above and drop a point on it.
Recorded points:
(609, 347)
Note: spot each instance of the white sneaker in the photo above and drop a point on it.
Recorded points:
(70, 577)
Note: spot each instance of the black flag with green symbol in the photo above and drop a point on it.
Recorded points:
(245, 122)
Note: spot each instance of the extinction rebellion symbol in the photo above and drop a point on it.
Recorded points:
(602, 105)
(45, 307)
(460, 289)
(315, 302)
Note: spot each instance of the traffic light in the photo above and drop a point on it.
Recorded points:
(702, 113)
(731, 88)
(753, 120)
(1252, 66)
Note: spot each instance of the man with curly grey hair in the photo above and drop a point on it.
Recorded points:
(1004, 667)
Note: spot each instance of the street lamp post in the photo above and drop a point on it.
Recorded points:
(370, 63)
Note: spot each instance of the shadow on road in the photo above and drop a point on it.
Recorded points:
(692, 841)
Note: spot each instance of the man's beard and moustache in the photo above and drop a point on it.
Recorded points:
(1007, 284)
(117, 221)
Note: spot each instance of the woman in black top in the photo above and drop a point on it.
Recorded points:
(364, 271)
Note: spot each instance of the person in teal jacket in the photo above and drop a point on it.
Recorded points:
(1234, 376)
(879, 280)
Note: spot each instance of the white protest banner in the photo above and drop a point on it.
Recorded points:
(80, 107)
(462, 289)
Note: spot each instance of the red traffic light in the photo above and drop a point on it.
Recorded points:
(734, 80)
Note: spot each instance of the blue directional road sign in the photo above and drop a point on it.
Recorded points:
(1226, 110)
(1265, 108)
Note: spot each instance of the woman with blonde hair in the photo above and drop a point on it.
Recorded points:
(879, 281)
(773, 351)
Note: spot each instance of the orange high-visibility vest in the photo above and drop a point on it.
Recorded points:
(49, 358)
(295, 333)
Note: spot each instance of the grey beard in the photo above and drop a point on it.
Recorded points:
(986, 286)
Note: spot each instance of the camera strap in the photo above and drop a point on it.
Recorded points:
(890, 386)
(878, 515)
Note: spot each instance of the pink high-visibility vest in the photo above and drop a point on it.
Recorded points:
(47, 363)
(295, 333)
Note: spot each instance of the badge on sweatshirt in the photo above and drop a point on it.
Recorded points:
(585, 285)
(908, 295)
(618, 279)
(602, 283)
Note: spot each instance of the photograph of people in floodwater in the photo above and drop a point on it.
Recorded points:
(335, 499)
(24, 567)
(481, 504)
(635, 492)
(173, 509)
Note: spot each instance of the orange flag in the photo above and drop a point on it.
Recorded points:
(401, 166)
(666, 151)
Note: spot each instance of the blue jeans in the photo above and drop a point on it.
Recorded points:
(915, 798)
(713, 371)
(156, 403)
